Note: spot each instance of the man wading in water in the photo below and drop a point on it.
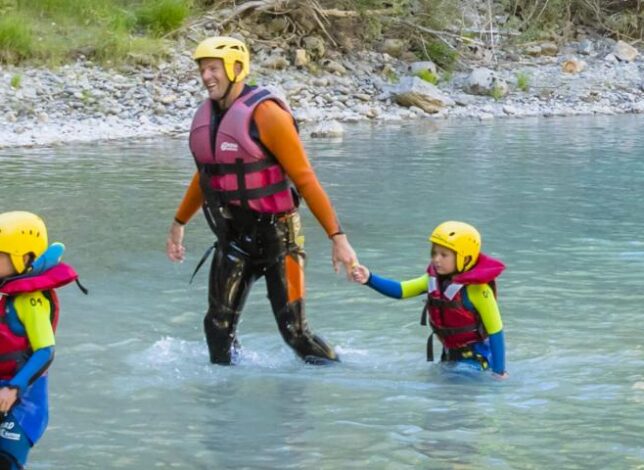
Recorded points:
(248, 155)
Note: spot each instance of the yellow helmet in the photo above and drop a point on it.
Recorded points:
(22, 233)
(461, 238)
(228, 49)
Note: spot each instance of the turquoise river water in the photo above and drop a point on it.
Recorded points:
(558, 200)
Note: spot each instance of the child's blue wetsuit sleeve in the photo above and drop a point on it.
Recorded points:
(37, 364)
(483, 300)
(33, 312)
(396, 289)
(385, 286)
(497, 347)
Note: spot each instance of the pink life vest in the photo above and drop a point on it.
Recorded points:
(15, 349)
(239, 171)
(455, 325)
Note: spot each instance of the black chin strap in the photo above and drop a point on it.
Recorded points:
(230, 87)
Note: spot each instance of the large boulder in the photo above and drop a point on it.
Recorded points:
(573, 65)
(483, 81)
(549, 48)
(625, 52)
(419, 67)
(314, 45)
(393, 47)
(413, 91)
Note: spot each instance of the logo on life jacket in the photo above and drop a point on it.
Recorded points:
(229, 147)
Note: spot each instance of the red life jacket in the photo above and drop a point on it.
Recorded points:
(14, 348)
(456, 325)
(234, 168)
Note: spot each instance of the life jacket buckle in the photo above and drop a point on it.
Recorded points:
(225, 212)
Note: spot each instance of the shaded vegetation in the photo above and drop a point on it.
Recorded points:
(140, 31)
(623, 19)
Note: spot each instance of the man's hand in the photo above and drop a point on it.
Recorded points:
(174, 245)
(342, 254)
(360, 274)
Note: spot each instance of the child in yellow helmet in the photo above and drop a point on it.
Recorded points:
(461, 297)
(30, 270)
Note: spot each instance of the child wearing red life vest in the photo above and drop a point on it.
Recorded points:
(30, 270)
(461, 305)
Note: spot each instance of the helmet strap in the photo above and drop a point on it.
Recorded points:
(228, 89)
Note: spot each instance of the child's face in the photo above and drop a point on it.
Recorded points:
(443, 259)
(6, 266)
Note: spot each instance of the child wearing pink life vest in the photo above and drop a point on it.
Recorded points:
(461, 306)
(30, 271)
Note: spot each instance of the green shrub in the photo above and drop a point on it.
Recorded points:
(391, 75)
(120, 47)
(427, 76)
(496, 93)
(16, 80)
(523, 81)
(16, 41)
(162, 16)
(123, 20)
(112, 47)
(442, 54)
(83, 12)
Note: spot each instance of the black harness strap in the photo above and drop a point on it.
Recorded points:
(218, 169)
(241, 183)
(256, 193)
(430, 348)
(202, 261)
(444, 331)
(18, 356)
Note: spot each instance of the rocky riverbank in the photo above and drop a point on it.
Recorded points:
(83, 102)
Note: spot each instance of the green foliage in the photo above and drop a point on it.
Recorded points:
(390, 74)
(54, 31)
(523, 81)
(627, 23)
(543, 18)
(162, 16)
(427, 76)
(82, 12)
(442, 54)
(372, 28)
(7, 6)
(16, 81)
(496, 93)
(111, 46)
(86, 96)
(122, 20)
(120, 47)
(16, 41)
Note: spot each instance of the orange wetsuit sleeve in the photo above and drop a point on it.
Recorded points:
(278, 133)
(192, 201)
